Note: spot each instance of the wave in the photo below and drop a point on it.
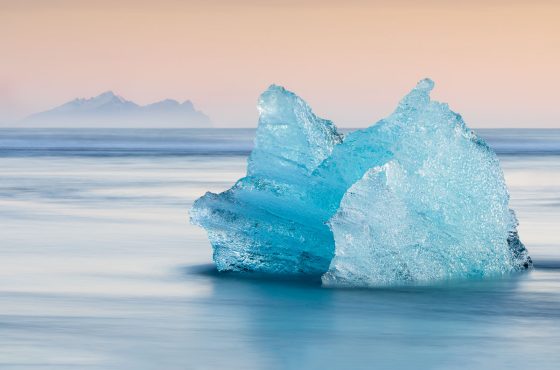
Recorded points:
(216, 142)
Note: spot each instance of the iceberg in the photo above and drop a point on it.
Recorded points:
(415, 198)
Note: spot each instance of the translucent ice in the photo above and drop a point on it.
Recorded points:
(415, 198)
(266, 222)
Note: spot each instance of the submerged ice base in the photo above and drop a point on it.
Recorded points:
(415, 198)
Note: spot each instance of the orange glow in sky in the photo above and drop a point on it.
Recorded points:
(496, 62)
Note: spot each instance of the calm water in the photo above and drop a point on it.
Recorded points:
(99, 269)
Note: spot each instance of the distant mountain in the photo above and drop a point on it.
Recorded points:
(111, 110)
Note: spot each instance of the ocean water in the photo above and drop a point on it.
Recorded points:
(100, 269)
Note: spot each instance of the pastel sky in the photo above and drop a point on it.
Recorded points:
(496, 62)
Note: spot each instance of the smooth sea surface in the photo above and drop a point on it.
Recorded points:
(100, 268)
